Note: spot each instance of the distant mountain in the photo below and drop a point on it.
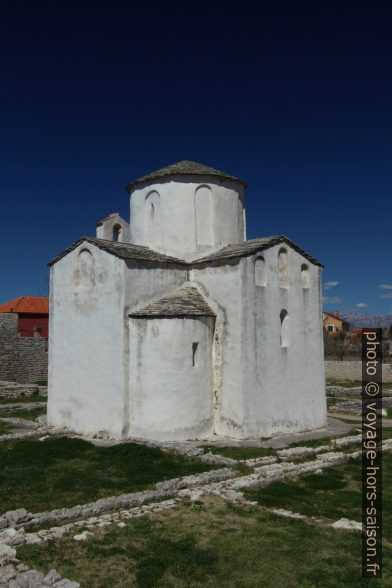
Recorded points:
(360, 320)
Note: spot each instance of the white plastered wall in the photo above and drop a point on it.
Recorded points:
(86, 343)
(283, 387)
(170, 383)
(147, 282)
(105, 229)
(221, 287)
(187, 218)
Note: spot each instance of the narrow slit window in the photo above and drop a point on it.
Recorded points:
(305, 278)
(195, 358)
(283, 268)
(284, 328)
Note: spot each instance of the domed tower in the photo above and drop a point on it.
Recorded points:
(187, 210)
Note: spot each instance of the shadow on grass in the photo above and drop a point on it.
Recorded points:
(60, 472)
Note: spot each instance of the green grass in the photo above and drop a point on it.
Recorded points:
(354, 383)
(24, 399)
(326, 440)
(41, 383)
(333, 494)
(23, 414)
(209, 546)
(61, 472)
(239, 452)
(5, 428)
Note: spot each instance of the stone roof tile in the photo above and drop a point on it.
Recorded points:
(250, 247)
(183, 302)
(128, 251)
(183, 168)
(125, 251)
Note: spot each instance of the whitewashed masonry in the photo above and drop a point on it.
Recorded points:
(175, 327)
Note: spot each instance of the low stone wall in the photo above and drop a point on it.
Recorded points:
(352, 370)
(22, 359)
(15, 390)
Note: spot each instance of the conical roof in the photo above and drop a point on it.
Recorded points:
(183, 168)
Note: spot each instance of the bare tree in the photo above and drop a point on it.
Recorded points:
(336, 344)
(342, 343)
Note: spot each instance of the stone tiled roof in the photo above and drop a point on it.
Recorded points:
(128, 251)
(125, 251)
(183, 168)
(250, 247)
(183, 302)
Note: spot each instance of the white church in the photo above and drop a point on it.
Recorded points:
(175, 327)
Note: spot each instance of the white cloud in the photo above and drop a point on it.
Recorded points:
(332, 300)
(386, 286)
(361, 305)
(386, 295)
(329, 285)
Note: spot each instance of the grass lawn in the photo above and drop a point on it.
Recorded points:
(327, 440)
(238, 452)
(209, 545)
(5, 428)
(333, 494)
(24, 399)
(29, 414)
(61, 472)
(354, 384)
(332, 400)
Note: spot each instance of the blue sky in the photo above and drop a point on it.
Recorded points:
(295, 99)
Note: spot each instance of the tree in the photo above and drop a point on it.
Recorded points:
(342, 343)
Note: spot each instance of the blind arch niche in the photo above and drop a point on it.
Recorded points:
(204, 210)
(260, 272)
(152, 219)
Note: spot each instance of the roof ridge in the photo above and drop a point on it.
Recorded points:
(115, 247)
(233, 250)
(244, 248)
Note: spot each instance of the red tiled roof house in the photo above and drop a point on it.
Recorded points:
(33, 315)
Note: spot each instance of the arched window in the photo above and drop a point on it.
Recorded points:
(260, 272)
(195, 354)
(305, 277)
(283, 268)
(204, 216)
(85, 263)
(152, 218)
(117, 230)
(284, 328)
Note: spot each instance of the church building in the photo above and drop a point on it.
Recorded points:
(176, 327)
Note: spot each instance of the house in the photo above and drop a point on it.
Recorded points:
(333, 323)
(33, 315)
(176, 327)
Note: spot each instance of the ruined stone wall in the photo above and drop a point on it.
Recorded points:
(352, 370)
(22, 359)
